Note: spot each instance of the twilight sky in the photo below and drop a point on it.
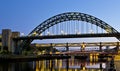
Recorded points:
(25, 15)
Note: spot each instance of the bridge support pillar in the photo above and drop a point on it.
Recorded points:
(100, 47)
(25, 46)
(101, 66)
(51, 49)
(67, 64)
(83, 47)
(107, 48)
(15, 44)
(117, 47)
(67, 47)
(28, 45)
(83, 68)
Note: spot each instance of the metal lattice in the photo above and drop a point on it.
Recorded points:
(72, 16)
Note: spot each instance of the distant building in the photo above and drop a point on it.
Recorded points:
(14, 34)
(0, 36)
(6, 39)
(0, 41)
(0, 44)
(7, 42)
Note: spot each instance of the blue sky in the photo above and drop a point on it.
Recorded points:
(25, 15)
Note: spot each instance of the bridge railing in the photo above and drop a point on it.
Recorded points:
(68, 36)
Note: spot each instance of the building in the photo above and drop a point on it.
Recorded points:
(6, 39)
(0, 41)
(14, 34)
(7, 42)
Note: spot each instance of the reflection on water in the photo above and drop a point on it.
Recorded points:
(54, 65)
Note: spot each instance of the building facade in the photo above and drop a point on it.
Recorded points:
(7, 42)
(6, 39)
(14, 34)
(0, 41)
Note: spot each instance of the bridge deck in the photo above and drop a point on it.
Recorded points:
(79, 44)
(68, 36)
(94, 52)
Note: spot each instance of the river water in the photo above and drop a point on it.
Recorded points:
(54, 65)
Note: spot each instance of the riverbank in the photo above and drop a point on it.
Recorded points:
(14, 58)
(18, 58)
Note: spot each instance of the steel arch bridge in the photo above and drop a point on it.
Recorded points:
(72, 16)
(63, 24)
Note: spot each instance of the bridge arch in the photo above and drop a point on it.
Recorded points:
(68, 16)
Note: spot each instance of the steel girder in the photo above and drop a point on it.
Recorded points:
(72, 16)
(68, 16)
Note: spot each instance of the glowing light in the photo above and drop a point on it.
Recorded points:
(83, 45)
(65, 33)
(108, 30)
(91, 31)
(51, 34)
(34, 34)
(48, 33)
(22, 34)
(77, 32)
(62, 32)
(41, 34)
